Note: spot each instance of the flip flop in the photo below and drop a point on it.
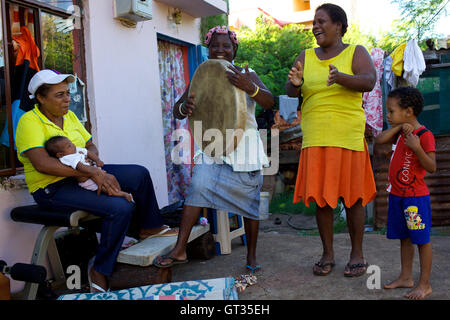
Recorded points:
(322, 266)
(352, 267)
(253, 270)
(93, 285)
(96, 287)
(162, 233)
(159, 259)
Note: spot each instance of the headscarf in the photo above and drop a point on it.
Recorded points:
(220, 30)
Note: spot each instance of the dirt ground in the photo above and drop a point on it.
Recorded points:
(287, 256)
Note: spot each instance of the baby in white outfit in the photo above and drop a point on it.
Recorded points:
(77, 158)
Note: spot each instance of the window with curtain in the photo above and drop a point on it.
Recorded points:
(39, 35)
(172, 83)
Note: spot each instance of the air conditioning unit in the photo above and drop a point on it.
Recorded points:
(133, 10)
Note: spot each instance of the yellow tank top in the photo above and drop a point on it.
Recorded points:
(331, 116)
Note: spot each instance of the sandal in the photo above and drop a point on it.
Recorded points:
(174, 261)
(352, 267)
(93, 286)
(162, 233)
(253, 269)
(322, 267)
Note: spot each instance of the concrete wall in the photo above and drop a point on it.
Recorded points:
(124, 89)
(16, 239)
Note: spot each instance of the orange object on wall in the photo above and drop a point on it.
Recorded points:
(5, 287)
(28, 49)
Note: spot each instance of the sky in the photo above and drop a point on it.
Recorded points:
(374, 15)
(380, 14)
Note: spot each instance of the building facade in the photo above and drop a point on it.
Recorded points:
(130, 74)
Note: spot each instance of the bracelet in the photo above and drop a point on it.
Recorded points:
(181, 112)
(256, 91)
(303, 80)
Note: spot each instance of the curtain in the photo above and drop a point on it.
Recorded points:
(26, 54)
(172, 83)
(373, 100)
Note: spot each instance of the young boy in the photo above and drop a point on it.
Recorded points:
(409, 214)
(79, 159)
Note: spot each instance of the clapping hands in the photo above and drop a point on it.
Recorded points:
(332, 75)
(296, 74)
(241, 80)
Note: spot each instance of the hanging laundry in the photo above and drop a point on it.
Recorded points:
(414, 62)
(26, 67)
(397, 60)
(288, 108)
(14, 13)
(27, 54)
(373, 101)
(30, 20)
(388, 73)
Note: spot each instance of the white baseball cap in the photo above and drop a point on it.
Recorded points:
(47, 76)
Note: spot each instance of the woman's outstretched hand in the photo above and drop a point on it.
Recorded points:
(296, 74)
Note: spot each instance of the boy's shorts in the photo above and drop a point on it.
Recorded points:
(409, 217)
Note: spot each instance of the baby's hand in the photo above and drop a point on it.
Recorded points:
(100, 163)
(407, 129)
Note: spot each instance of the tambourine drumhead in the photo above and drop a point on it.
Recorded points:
(219, 106)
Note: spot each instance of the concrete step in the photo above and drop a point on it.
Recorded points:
(144, 252)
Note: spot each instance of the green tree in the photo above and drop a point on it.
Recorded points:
(271, 51)
(418, 19)
(355, 36)
(207, 23)
(57, 47)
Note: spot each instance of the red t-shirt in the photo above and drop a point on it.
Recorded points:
(406, 174)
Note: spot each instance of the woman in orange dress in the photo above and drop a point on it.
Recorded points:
(334, 162)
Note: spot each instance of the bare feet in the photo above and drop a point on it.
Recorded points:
(420, 292)
(400, 283)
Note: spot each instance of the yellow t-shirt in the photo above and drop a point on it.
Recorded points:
(397, 60)
(332, 116)
(33, 130)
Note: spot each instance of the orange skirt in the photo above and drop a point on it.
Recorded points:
(326, 174)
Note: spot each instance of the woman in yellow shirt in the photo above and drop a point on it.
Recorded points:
(334, 161)
(53, 184)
